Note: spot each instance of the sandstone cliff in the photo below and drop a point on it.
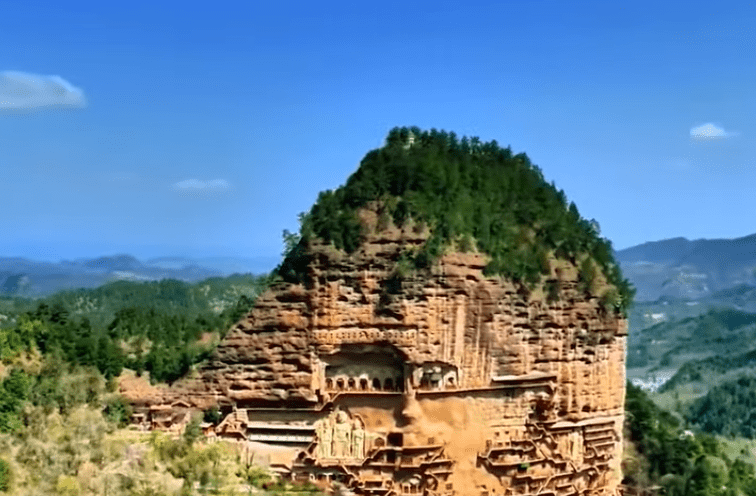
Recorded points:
(440, 382)
(391, 362)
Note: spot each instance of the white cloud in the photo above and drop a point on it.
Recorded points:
(710, 131)
(24, 91)
(200, 186)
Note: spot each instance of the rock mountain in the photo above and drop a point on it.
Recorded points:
(393, 357)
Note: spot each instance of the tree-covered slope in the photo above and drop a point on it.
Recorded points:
(662, 458)
(723, 332)
(710, 370)
(728, 409)
(473, 195)
(161, 327)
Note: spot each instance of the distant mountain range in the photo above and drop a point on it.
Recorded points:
(681, 268)
(24, 277)
(677, 268)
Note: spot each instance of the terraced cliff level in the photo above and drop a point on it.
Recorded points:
(438, 380)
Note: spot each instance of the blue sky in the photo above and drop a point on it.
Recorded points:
(175, 129)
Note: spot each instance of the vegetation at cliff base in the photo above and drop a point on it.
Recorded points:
(661, 455)
(67, 444)
(63, 426)
(471, 194)
(728, 409)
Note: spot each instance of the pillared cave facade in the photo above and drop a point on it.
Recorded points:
(446, 382)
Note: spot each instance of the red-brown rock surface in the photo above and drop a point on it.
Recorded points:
(443, 382)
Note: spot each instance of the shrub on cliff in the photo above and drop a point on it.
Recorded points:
(472, 195)
(5, 476)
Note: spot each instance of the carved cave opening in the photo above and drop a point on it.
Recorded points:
(395, 439)
(436, 376)
(364, 368)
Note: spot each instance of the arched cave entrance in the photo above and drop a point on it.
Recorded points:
(364, 368)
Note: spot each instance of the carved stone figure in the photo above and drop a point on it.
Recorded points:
(342, 431)
(576, 447)
(323, 433)
(358, 439)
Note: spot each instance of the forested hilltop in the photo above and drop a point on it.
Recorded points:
(473, 196)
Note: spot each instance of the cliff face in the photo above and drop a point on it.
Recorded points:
(439, 382)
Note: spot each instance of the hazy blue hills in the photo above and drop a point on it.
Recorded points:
(721, 332)
(689, 269)
(694, 317)
(711, 271)
(24, 277)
